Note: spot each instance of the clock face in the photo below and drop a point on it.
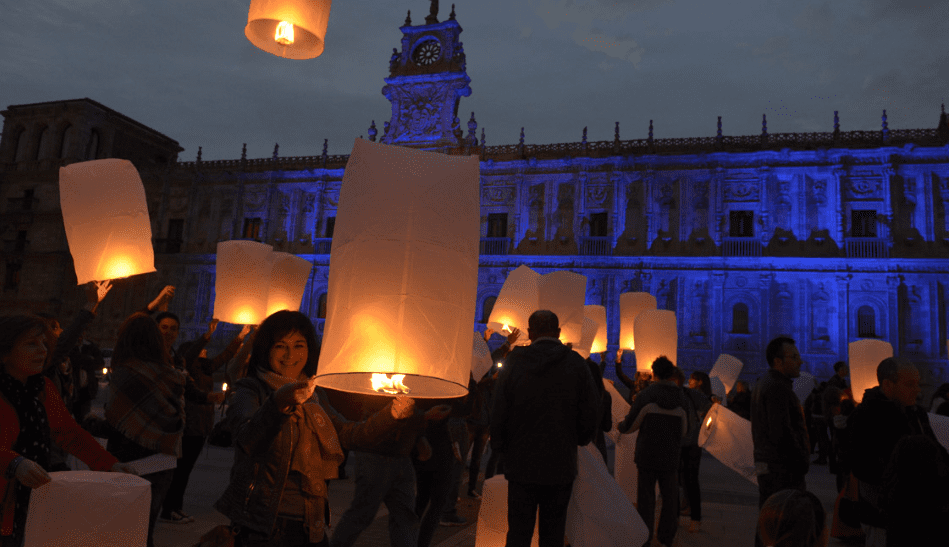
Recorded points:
(427, 53)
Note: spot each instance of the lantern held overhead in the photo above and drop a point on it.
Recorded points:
(864, 357)
(526, 291)
(725, 370)
(656, 335)
(631, 304)
(598, 314)
(106, 219)
(239, 295)
(727, 436)
(293, 29)
(516, 301)
(287, 282)
(403, 272)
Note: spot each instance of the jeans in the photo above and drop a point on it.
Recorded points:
(160, 483)
(646, 500)
(479, 440)
(191, 446)
(433, 478)
(523, 501)
(691, 459)
(380, 478)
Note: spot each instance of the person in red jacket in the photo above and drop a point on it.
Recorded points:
(32, 416)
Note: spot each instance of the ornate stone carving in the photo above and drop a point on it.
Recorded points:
(742, 190)
(597, 195)
(255, 200)
(308, 202)
(863, 187)
(332, 197)
(503, 195)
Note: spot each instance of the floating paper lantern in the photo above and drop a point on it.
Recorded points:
(89, 508)
(725, 370)
(598, 314)
(526, 291)
(727, 436)
(106, 220)
(480, 357)
(516, 301)
(239, 295)
(587, 335)
(403, 272)
(631, 304)
(656, 335)
(294, 29)
(287, 282)
(864, 357)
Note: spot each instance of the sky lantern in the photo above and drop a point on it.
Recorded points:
(239, 295)
(587, 336)
(631, 304)
(106, 219)
(480, 357)
(516, 301)
(598, 314)
(864, 357)
(287, 282)
(656, 335)
(526, 291)
(727, 436)
(403, 273)
(293, 29)
(724, 374)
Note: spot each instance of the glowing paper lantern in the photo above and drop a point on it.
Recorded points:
(516, 301)
(106, 220)
(492, 516)
(294, 29)
(587, 335)
(239, 295)
(526, 291)
(727, 436)
(480, 357)
(403, 272)
(864, 357)
(287, 282)
(656, 335)
(79, 508)
(598, 314)
(631, 304)
(726, 370)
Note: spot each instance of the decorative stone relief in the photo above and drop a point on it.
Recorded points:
(503, 195)
(309, 200)
(863, 187)
(742, 190)
(255, 200)
(597, 195)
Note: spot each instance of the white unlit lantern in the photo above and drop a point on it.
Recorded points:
(864, 357)
(480, 357)
(403, 272)
(294, 29)
(526, 291)
(726, 370)
(240, 296)
(803, 385)
(727, 436)
(516, 301)
(598, 314)
(656, 335)
(587, 335)
(287, 282)
(631, 304)
(106, 219)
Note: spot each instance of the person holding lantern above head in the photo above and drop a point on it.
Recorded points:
(782, 448)
(545, 406)
(32, 417)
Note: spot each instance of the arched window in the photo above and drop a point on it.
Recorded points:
(740, 318)
(69, 133)
(321, 307)
(866, 322)
(43, 143)
(487, 307)
(19, 145)
(92, 151)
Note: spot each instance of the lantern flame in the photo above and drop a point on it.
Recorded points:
(105, 371)
(284, 35)
(506, 328)
(224, 387)
(246, 316)
(118, 267)
(393, 386)
(708, 422)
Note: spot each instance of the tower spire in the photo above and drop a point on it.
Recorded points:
(432, 17)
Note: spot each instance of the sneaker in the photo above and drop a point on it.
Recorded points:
(453, 520)
(176, 517)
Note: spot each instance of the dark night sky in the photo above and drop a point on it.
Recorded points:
(184, 67)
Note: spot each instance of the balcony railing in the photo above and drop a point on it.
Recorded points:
(596, 246)
(867, 247)
(495, 245)
(323, 245)
(741, 246)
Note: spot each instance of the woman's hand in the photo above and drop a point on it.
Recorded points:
(403, 406)
(289, 396)
(31, 474)
(120, 467)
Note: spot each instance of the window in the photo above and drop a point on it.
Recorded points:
(20, 144)
(740, 318)
(66, 141)
(741, 224)
(330, 226)
(497, 225)
(487, 307)
(43, 143)
(12, 277)
(27, 199)
(866, 322)
(321, 307)
(251, 228)
(598, 225)
(863, 223)
(176, 227)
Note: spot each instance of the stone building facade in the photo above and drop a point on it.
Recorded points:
(826, 237)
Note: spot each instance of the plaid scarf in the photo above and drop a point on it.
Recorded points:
(34, 439)
(146, 404)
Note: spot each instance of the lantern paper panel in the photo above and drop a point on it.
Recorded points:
(631, 304)
(480, 357)
(308, 17)
(727, 436)
(624, 465)
(940, 425)
(619, 409)
(81, 508)
(587, 334)
(598, 314)
(656, 335)
(726, 370)
(492, 516)
(564, 293)
(106, 220)
(588, 524)
(803, 385)
(287, 282)
(403, 272)
(239, 295)
(516, 301)
(864, 357)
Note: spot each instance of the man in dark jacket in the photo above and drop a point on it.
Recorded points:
(545, 406)
(782, 448)
(659, 414)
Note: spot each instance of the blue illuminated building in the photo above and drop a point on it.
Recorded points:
(826, 237)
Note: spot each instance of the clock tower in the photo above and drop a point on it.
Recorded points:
(426, 81)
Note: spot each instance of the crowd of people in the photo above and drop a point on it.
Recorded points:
(533, 408)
